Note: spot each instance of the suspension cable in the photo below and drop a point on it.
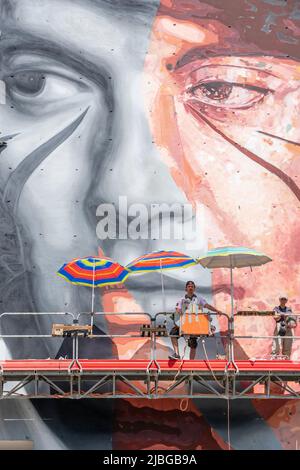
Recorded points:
(228, 424)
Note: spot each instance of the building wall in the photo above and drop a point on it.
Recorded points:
(193, 103)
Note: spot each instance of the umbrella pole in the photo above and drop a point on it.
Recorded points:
(231, 350)
(93, 297)
(231, 291)
(162, 287)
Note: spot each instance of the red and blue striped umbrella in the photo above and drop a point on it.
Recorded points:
(160, 260)
(93, 272)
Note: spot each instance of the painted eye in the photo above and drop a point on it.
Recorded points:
(216, 91)
(28, 83)
(228, 95)
(40, 89)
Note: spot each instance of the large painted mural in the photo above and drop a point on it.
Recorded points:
(162, 102)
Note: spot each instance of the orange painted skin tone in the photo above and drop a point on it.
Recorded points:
(226, 126)
(201, 132)
(234, 150)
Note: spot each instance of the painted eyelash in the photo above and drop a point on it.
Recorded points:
(265, 91)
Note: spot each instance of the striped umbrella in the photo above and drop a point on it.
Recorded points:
(93, 272)
(233, 257)
(159, 261)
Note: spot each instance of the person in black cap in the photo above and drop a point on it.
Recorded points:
(181, 306)
(285, 323)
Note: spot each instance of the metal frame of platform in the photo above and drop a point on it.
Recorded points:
(149, 380)
(78, 378)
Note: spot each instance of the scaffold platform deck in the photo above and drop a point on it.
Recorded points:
(97, 378)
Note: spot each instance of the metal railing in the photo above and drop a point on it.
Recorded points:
(229, 338)
(142, 319)
(240, 338)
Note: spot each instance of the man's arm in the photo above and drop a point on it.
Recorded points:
(179, 306)
(213, 309)
(291, 320)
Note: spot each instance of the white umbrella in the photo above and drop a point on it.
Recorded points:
(232, 257)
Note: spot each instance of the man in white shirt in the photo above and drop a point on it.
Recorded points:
(181, 306)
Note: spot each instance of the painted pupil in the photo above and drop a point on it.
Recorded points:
(29, 83)
(216, 91)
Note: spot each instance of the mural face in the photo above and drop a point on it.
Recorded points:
(225, 105)
(177, 101)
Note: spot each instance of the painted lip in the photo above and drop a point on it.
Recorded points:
(144, 426)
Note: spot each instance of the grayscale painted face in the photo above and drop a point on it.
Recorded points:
(76, 135)
(80, 137)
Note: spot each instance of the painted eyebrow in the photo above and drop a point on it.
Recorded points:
(231, 66)
(203, 53)
(20, 42)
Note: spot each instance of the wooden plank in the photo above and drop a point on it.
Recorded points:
(59, 329)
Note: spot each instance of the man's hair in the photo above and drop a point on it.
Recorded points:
(190, 282)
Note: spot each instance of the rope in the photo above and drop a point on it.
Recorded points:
(222, 386)
(209, 366)
(183, 409)
(177, 373)
(181, 363)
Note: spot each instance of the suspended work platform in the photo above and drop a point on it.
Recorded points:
(150, 378)
(91, 378)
